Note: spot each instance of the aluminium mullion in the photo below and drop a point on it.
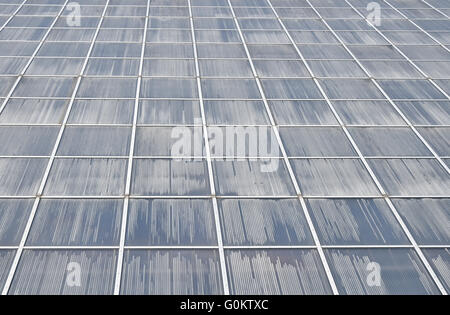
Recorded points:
(12, 15)
(286, 160)
(408, 122)
(50, 162)
(36, 50)
(223, 267)
(372, 174)
(433, 7)
(415, 24)
(123, 228)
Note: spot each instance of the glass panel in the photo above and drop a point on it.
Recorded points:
(103, 141)
(169, 112)
(411, 177)
(168, 88)
(156, 50)
(316, 141)
(410, 89)
(438, 138)
(112, 67)
(355, 222)
(333, 177)
(225, 68)
(235, 113)
(107, 88)
(168, 222)
(73, 222)
(263, 222)
(291, 89)
(280, 68)
(426, 112)
(388, 142)
(172, 67)
(20, 176)
(158, 177)
(350, 89)
(252, 178)
(439, 259)
(27, 140)
(401, 271)
(33, 111)
(6, 259)
(302, 113)
(366, 112)
(46, 272)
(273, 271)
(169, 141)
(44, 87)
(90, 177)
(230, 88)
(55, 66)
(13, 218)
(184, 272)
(427, 219)
(101, 112)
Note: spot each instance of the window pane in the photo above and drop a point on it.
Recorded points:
(235, 113)
(272, 271)
(411, 177)
(158, 177)
(27, 140)
(316, 141)
(168, 222)
(263, 222)
(388, 142)
(355, 222)
(302, 113)
(402, 271)
(102, 141)
(20, 176)
(33, 111)
(230, 88)
(168, 88)
(46, 271)
(184, 272)
(102, 112)
(73, 222)
(427, 219)
(439, 259)
(252, 178)
(169, 112)
(366, 112)
(13, 218)
(92, 177)
(333, 177)
(6, 259)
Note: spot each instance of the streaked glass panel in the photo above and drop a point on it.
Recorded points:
(168, 222)
(263, 222)
(46, 272)
(286, 272)
(13, 218)
(185, 272)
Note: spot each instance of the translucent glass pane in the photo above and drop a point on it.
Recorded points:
(169, 112)
(426, 112)
(333, 177)
(230, 88)
(90, 177)
(412, 177)
(6, 259)
(252, 178)
(46, 272)
(169, 141)
(27, 140)
(273, 271)
(427, 219)
(159, 177)
(316, 141)
(44, 87)
(107, 88)
(438, 138)
(366, 112)
(168, 88)
(73, 222)
(13, 218)
(302, 113)
(388, 142)
(236, 113)
(439, 260)
(401, 271)
(185, 272)
(20, 176)
(355, 222)
(168, 222)
(102, 141)
(263, 222)
(101, 112)
(33, 111)
(291, 89)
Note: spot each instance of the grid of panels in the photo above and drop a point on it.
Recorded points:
(360, 115)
